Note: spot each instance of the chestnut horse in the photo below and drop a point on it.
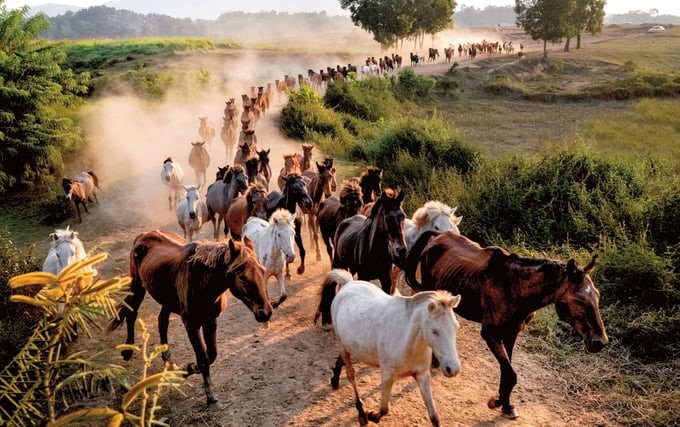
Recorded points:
(243, 207)
(190, 279)
(369, 245)
(334, 210)
(81, 189)
(319, 188)
(502, 291)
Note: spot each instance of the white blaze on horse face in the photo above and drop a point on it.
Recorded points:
(441, 336)
(285, 235)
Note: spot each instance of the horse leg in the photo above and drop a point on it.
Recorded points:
(80, 218)
(335, 379)
(209, 336)
(424, 380)
(298, 241)
(163, 323)
(314, 225)
(386, 392)
(202, 362)
(351, 376)
(282, 290)
(386, 281)
(130, 314)
(508, 375)
(329, 247)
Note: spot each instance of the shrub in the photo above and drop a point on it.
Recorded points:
(451, 80)
(368, 99)
(411, 86)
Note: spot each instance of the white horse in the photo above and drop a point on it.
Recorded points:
(172, 176)
(433, 215)
(65, 249)
(396, 333)
(274, 245)
(192, 212)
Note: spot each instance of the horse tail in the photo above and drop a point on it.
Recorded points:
(94, 178)
(413, 258)
(335, 279)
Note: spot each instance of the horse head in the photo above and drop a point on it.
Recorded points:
(239, 181)
(371, 181)
(577, 302)
(249, 281)
(388, 209)
(440, 329)
(193, 196)
(284, 225)
(351, 197)
(252, 168)
(264, 157)
(221, 171)
(67, 185)
(326, 179)
(256, 200)
(295, 192)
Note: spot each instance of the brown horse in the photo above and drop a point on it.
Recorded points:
(369, 245)
(305, 159)
(229, 132)
(502, 291)
(190, 279)
(206, 130)
(290, 166)
(265, 167)
(253, 172)
(81, 189)
(334, 210)
(243, 207)
(370, 181)
(319, 188)
(199, 160)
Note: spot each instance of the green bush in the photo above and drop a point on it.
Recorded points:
(304, 117)
(368, 99)
(411, 86)
(149, 84)
(449, 81)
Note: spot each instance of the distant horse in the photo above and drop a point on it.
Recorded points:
(290, 166)
(229, 132)
(319, 189)
(190, 280)
(432, 54)
(265, 167)
(253, 203)
(220, 194)
(191, 212)
(65, 249)
(199, 160)
(305, 159)
(448, 53)
(334, 210)
(294, 194)
(433, 215)
(414, 59)
(253, 172)
(81, 189)
(370, 181)
(502, 291)
(395, 333)
(206, 130)
(172, 176)
(273, 242)
(369, 245)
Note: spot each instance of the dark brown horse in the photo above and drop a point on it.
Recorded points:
(252, 167)
(319, 188)
(334, 210)
(369, 245)
(243, 207)
(502, 291)
(265, 167)
(189, 279)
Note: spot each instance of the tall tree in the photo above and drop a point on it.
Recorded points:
(545, 20)
(589, 16)
(431, 17)
(388, 20)
(36, 96)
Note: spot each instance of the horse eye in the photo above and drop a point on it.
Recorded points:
(435, 332)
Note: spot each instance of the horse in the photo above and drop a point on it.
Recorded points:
(334, 210)
(395, 333)
(370, 181)
(319, 188)
(199, 160)
(433, 215)
(290, 166)
(253, 172)
(305, 159)
(206, 130)
(273, 242)
(369, 245)
(80, 189)
(294, 194)
(448, 53)
(502, 291)
(191, 212)
(190, 279)
(243, 207)
(433, 54)
(172, 176)
(65, 249)
(220, 194)
(229, 134)
(265, 167)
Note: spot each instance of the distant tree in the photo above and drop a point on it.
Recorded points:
(431, 17)
(545, 20)
(387, 20)
(586, 16)
(36, 97)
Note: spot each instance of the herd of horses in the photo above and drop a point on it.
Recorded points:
(367, 234)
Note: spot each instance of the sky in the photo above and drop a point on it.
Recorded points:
(332, 7)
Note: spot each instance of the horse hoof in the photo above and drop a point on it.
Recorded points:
(301, 269)
(127, 354)
(493, 403)
(335, 383)
(511, 414)
(215, 406)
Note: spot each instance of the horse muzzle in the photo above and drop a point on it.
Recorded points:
(595, 344)
(290, 258)
(263, 315)
(192, 215)
(450, 369)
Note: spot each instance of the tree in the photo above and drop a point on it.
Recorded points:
(387, 20)
(589, 15)
(545, 20)
(431, 17)
(36, 97)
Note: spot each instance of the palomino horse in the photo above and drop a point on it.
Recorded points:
(206, 131)
(334, 210)
(305, 159)
(172, 176)
(433, 215)
(80, 189)
(65, 249)
(369, 245)
(274, 245)
(294, 194)
(190, 280)
(290, 166)
(229, 132)
(220, 194)
(319, 189)
(199, 160)
(265, 167)
(253, 172)
(502, 291)
(243, 207)
(191, 212)
(398, 334)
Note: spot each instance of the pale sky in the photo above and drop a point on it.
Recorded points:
(613, 6)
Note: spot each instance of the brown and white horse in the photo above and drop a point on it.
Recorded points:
(81, 189)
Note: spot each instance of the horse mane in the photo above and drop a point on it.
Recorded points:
(348, 187)
(289, 156)
(211, 254)
(388, 193)
(445, 298)
(431, 209)
(281, 216)
(169, 159)
(371, 170)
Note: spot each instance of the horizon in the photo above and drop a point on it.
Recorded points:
(332, 7)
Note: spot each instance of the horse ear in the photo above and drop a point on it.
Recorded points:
(268, 150)
(72, 235)
(455, 301)
(232, 248)
(53, 236)
(588, 268)
(185, 188)
(571, 269)
(400, 197)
